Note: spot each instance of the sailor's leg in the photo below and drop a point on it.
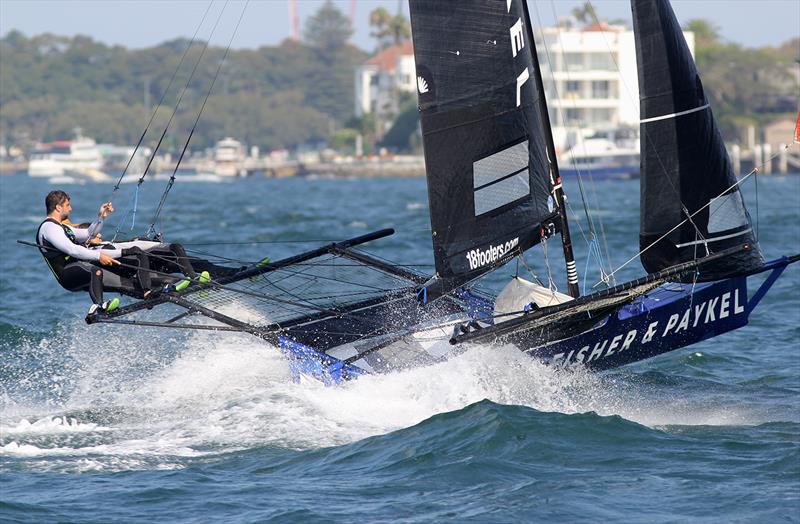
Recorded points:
(162, 258)
(139, 258)
(191, 266)
(96, 286)
(172, 258)
(81, 276)
(115, 282)
(144, 245)
(183, 260)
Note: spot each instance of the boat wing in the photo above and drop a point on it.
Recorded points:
(322, 298)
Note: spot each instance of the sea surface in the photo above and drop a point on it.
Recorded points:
(122, 424)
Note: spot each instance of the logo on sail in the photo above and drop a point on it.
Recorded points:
(481, 257)
(422, 85)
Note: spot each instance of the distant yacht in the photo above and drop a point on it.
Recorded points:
(612, 153)
(229, 158)
(76, 158)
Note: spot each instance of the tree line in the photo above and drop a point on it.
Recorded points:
(293, 93)
(746, 86)
(272, 97)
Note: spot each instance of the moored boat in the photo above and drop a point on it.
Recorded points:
(77, 157)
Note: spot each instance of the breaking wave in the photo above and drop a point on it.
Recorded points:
(128, 399)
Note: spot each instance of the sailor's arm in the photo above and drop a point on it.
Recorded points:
(84, 235)
(55, 235)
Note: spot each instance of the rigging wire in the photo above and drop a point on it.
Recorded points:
(313, 264)
(758, 222)
(558, 108)
(521, 259)
(175, 109)
(755, 171)
(584, 199)
(152, 229)
(603, 236)
(160, 101)
(246, 242)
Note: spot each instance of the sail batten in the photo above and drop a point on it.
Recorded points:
(486, 165)
(686, 175)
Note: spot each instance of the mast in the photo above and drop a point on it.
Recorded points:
(555, 178)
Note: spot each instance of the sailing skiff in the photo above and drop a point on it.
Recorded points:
(495, 192)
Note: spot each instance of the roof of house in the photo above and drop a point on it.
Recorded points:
(386, 60)
(603, 27)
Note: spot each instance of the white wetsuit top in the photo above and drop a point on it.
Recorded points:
(55, 235)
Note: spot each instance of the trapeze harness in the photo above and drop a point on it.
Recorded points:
(73, 274)
(56, 260)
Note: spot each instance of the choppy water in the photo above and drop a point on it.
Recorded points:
(104, 423)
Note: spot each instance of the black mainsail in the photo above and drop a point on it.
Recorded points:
(485, 149)
(687, 177)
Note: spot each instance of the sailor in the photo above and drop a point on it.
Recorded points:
(81, 262)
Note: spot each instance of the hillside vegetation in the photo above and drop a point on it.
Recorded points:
(271, 97)
(291, 94)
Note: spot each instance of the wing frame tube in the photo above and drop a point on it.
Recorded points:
(255, 271)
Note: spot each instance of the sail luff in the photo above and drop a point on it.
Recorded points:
(552, 159)
(686, 175)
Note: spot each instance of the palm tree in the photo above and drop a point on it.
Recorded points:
(388, 29)
(400, 28)
(381, 21)
(585, 13)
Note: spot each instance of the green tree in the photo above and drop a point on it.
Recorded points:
(278, 96)
(380, 20)
(387, 29)
(745, 86)
(328, 29)
(405, 126)
(344, 139)
(706, 34)
(401, 28)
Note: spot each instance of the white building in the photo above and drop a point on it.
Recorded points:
(590, 79)
(589, 75)
(379, 79)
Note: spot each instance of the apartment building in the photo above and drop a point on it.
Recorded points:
(589, 75)
(590, 78)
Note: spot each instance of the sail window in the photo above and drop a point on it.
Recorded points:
(727, 212)
(501, 178)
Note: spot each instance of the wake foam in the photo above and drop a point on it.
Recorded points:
(158, 394)
(49, 425)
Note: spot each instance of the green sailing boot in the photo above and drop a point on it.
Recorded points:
(264, 261)
(111, 305)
